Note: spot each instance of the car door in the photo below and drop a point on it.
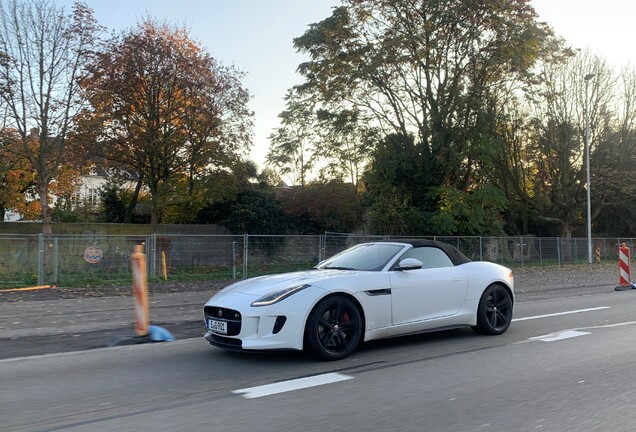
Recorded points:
(436, 290)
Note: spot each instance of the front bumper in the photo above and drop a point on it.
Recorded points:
(224, 342)
(280, 326)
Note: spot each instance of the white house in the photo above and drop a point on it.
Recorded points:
(87, 191)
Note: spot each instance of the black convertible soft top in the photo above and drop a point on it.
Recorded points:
(455, 256)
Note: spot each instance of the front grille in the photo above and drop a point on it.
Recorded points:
(232, 317)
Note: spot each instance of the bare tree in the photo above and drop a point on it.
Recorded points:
(559, 123)
(46, 49)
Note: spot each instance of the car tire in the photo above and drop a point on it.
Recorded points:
(334, 328)
(494, 313)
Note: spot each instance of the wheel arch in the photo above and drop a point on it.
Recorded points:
(336, 294)
(488, 325)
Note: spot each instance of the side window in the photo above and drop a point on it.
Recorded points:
(431, 257)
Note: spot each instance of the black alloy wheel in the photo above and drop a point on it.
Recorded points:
(494, 313)
(334, 328)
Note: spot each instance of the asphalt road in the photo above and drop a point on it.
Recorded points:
(566, 364)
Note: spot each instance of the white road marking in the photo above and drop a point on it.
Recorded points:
(560, 313)
(291, 385)
(557, 336)
(571, 333)
(608, 325)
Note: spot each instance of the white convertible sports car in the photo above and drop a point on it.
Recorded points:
(370, 291)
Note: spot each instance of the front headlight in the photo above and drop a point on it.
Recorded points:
(277, 296)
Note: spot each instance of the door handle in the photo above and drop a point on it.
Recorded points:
(456, 279)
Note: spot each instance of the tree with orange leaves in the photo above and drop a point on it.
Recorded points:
(164, 110)
(17, 179)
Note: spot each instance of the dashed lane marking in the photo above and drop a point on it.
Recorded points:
(291, 385)
(561, 313)
(557, 336)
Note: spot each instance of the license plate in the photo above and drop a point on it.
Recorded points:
(217, 326)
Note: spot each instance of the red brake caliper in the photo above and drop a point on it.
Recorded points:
(345, 318)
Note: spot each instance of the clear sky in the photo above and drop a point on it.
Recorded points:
(605, 27)
(256, 36)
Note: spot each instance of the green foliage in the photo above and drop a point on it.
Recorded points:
(424, 68)
(435, 73)
(114, 201)
(268, 178)
(613, 191)
(392, 214)
(82, 212)
(467, 213)
(404, 200)
(397, 188)
(459, 213)
(396, 168)
(320, 207)
(113, 205)
(251, 211)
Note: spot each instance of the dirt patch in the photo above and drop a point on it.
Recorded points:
(111, 291)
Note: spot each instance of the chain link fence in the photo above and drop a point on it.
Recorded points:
(84, 260)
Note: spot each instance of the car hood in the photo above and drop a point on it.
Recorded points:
(263, 285)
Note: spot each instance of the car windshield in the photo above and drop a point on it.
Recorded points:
(368, 257)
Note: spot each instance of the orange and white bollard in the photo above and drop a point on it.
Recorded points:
(145, 332)
(624, 278)
(623, 265)
(140, 290)
(597, 253)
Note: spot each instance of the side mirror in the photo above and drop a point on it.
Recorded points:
(410, 264)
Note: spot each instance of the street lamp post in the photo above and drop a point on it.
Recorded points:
(587, 79)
